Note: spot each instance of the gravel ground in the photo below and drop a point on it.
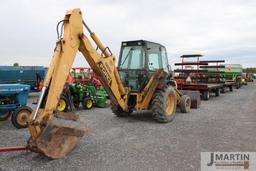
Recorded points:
(225, 123)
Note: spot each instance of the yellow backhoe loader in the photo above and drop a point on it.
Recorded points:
(140, 82)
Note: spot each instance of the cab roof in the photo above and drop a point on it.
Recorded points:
(140, 43)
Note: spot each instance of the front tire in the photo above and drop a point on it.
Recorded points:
(163, 105)
(63, 104)
(20, 117)
(87, 103)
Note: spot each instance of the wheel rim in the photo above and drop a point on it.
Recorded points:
(89, 103)
(61, 105)
(170, 105)
(22, 117)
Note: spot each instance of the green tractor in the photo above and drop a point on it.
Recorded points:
(88, 95)
(84, 94)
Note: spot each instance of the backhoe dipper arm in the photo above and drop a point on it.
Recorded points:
(102, 64)
(60, 65)
(105, 69)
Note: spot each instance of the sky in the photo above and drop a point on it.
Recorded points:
(217, 29)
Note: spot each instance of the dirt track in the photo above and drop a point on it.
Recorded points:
(225, 123)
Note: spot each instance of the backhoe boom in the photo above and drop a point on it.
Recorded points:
(53, 140)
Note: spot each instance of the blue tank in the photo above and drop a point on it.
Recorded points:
(21, 74)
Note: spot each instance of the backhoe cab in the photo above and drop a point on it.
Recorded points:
(143, 68)
(138, 61)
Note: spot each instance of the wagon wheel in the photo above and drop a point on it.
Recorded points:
(5, 116)
(206, 95)
(185, 104)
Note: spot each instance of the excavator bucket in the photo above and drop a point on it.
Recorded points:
(57, 139)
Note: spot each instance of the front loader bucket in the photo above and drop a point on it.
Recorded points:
(57, 140)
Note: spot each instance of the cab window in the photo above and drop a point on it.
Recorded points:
(153, 61)
(132, 58)
(164, 59)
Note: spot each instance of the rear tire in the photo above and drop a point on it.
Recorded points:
(118, 111)
(185, 104)
(5, 116)
(163, 105)
(20, 117)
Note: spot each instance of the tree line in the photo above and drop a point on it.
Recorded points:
(249, 70)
